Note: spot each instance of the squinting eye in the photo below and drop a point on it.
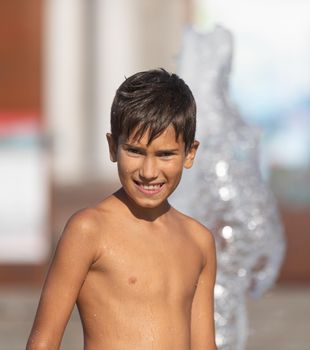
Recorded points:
(132, 150)
(166, 155)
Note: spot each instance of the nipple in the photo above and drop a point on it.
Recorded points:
(132, 280)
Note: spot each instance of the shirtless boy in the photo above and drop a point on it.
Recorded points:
(142, 273)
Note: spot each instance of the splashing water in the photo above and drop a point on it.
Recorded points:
(224, 189)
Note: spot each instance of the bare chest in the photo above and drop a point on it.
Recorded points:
(144, 265)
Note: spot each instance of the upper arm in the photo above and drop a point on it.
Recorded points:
(202, 318)
(75, 252)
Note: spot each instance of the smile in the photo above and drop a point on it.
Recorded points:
(149, 189)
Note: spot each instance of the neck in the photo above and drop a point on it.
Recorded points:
(146, 214)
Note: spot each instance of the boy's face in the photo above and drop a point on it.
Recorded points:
(149, 174)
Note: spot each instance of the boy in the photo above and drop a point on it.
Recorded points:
(142, 274)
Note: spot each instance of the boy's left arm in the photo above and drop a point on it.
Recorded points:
(202, 318)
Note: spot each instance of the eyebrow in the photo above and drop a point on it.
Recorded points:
(172, 150)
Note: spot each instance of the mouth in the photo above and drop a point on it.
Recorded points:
(149, 188)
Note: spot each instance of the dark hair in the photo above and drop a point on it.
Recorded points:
(153, 100)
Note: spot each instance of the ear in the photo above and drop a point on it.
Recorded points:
(190, 155)
(112, 147)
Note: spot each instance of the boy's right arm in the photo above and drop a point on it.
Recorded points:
(75, 253)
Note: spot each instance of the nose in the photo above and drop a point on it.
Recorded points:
(148, 169)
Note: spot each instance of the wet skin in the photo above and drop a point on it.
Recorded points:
(141, 272)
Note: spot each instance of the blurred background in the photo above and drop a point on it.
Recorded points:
(60, 64)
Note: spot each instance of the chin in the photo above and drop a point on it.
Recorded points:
(148, 204)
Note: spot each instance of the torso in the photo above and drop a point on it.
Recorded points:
(138, 294)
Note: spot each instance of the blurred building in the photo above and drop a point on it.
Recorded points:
(61, 62)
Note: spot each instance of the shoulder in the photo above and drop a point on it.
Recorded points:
(85, 219)
(194, 227)
(205, 241)
(80, 239)
(83, 225)
(202, 236)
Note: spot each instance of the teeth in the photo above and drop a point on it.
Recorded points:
(151, 187)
